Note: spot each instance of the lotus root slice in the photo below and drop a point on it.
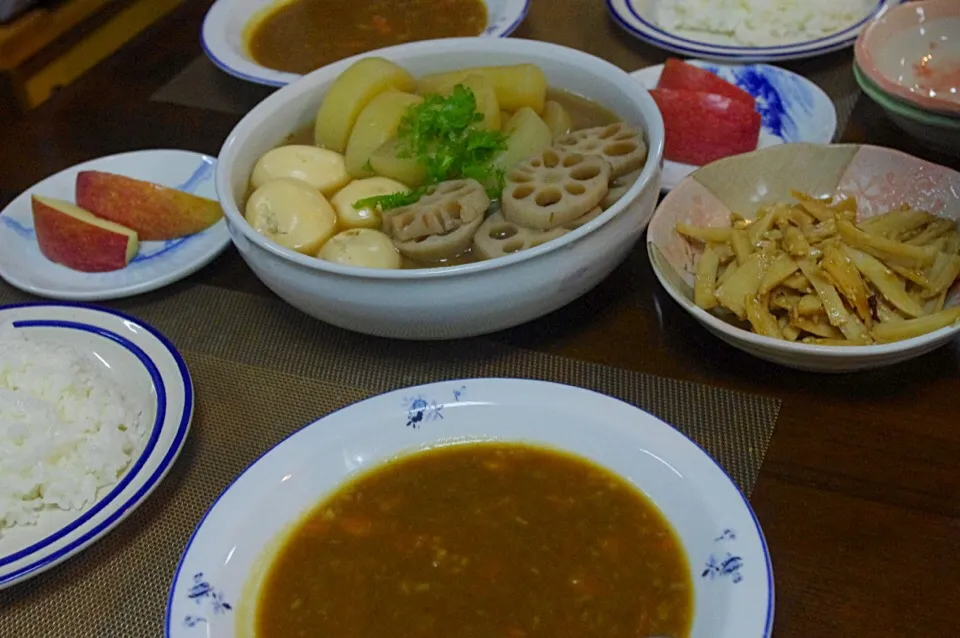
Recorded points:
(621, 145)
(497, 237)
(553, 188)
(440, 247)
(445, 207)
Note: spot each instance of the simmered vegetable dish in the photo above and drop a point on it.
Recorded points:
(480, 541)
(454, 167)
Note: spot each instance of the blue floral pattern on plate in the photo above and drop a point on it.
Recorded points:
(421, 409)
(203, 592)
(24, 232)
(783, 99)
(723, 564)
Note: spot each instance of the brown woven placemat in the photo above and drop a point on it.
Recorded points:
(202, 85)
(261, 370)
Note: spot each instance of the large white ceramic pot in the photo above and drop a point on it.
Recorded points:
(455, 301)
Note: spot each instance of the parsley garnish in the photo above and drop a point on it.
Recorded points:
(443, 135)
(392, 200)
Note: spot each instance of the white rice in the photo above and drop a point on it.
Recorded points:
(67, 431)
(761, 22)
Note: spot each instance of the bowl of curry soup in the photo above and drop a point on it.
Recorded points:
(275, 42)
(478, 508)
(413, 193)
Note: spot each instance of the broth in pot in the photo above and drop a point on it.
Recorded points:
(467, 165)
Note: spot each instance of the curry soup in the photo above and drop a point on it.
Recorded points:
(584, 113)
(304, 35)
(481, 540)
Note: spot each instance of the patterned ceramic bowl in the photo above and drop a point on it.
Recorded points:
(880, 179)
(217, 584)
(912, 52)
(934, 130)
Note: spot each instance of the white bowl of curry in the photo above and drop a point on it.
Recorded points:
(275, 42)
(478, 508)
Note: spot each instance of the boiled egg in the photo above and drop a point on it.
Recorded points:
(321, 168)
(293, 214)
(367, 216)
(362, 247)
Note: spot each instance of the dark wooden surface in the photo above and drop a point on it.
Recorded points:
(859, 495)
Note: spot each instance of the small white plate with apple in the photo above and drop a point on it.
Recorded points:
(114, 227)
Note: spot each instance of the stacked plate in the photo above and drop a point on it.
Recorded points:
(908, 62)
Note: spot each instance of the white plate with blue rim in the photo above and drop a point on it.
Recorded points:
(215, 586)
(157, 264)
(753, 38)
(139, 363)
(793, 108)
(225, 32)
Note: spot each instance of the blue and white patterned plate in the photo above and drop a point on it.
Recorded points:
(225, 28)
(638, 18)
(794, 109)
(157, 264)
(148, 369)
(214, 589)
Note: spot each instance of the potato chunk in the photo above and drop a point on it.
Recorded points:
(557, 118)
(386, 162)
(376, 124)
(349, 95)
(483, 93)
(516, 86)
(527, 134)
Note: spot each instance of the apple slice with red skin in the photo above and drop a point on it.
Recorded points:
(77, 239)
(157, 213)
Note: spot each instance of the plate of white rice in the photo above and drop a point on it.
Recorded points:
(94, 409)
(747, 30)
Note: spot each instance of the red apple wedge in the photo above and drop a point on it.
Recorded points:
(156, 212)
(77, 239)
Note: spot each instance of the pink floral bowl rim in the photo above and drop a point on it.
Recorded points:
(880, 34)
(880, 179)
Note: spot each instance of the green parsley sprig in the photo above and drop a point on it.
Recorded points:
(442, 135)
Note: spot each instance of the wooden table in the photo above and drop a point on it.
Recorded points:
(52, 44)
(859, 495)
